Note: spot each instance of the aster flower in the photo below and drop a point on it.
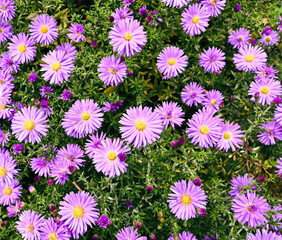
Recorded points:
(230, 137)
(279, 28)
(127, 37)
(29, 125)
(53, 231)
(271, 131)
(6, 31)
(68, 48)
(278, 114)
(76, 32)
(184, 236)
(41, 166)
(213, 99)
(5, 79)
(17, 148)
(60, 171)
(154, 19)
(9, 192)
(44, 29)
(172, 61)
(270, 39)
(58, 67)
(214, 6)
(6, 111)
(141, 126)
(7, 10)
(143, 11)
(29, 225)
(170, 113)
(263, 235)
(104, 221)
(4, 137)
(212, 60)
(94, 143)
(176, 3)
(78, 211)
(239, 38)
(185, 199)
(46, 89)
(264, 73)
(83, 118)
(195, 19)
(107, 160)
(250, 209)
(193, 94)
(22, 48)
(239, 183)
(112, 70)
(204, 128)
(66, 95)
(8, 166)
(279, 166)
(127, 3)
(122, 13)
(250, 58)
(8, 64)
(13, 210)
(266, 91)
(5, 94)
(129, 233)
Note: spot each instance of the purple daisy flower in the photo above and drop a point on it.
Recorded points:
(193, 94)
(263, 235)
(68, 48)
(104, 221)
(250, 58)
(278, 114)
(17, 148)
(129, 233)
(279, 166)
(78, 211)
(76, 32)
(270, 39)
(186, 199)
(170, 113)
(8, 166)
(127, 37)
(5, 79)
(9, 192)
(122, 13)
(66, 95)
(72, 154)
(214, 6)
(271, 131)
(44, 29)
(8, 64)
(265, 91)
(172, 61)
(58, 67)
(4, 138)
(7, 10)
(29, 125)
(22, 48)
(41, 166)
(141, 126)
(238, 184)
(6, 31)
(46, 89)
(53, 231)
(230, 137)
(204, 128)
(6, 111)
(195, 19)
(213, 99)
(107, 160)
(239, 38)
(127, 3)
(184, 236)
(250, 209)
(29, 225)
(60, 171)
(13, 210)
(112, 70)
(94, 143)
(279, 28)
(176, 3)
(83, 118)
(265, 73)
(212, 60)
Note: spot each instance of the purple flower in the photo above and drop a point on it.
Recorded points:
(265, 73)
(267, 31)
(270, 39)
(76, 32)
(181, 140)
(176, 3)
(128, 204)
(68, 49)
(197, 182)
(53, 231)
(41, 166)
(94, 143)
(277, 100)
(254, 42)
(93, 44)
(129, 233)
(66, 95)
(278, 114)
(8, 64)
(279, 28)
(212, 60)
(279, 166)
(122, 156)
(193, 94)
(32, 77)
(174, 144)
(237, 8)
(263, 235)
(6, 31)
(127, 3)
(202, 212)
(149, 188)
(104, 221)
(10, 192)
(261, 179)
(143, 11)
(238, 184)
(7, 10)
(271, 131)
(17, 148)
(122, 13)
(240, 38)
(214, 6)
(46, 89)
(213, 99)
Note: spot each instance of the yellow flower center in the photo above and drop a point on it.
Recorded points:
(186, 200)
(30, 228)
(213, 102)
(78, 212)
(227, 135)
(4, 7)
(112, 71)
(85, 116)
(204, 130)
(127, 36)
(268, 39)
(56, 66)
(1, 30)
(171, 61)
(265, 90)
(63, 170)
(195, 19)
(3, 107)
(112, 156)
(249, 58)
(22, 48)
(3, 171)
(44, 29)
(7, 191)
(213, 2)
(29, 125)
(53, 236)
(140, 125)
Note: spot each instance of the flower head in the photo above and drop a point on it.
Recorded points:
(176, 3)
(129, 233)
(53, 231)
(193, 94)
(104, 221)
(214, 6)
(8, 166)
(10, 192)
(76, 32)
(269, 39)
(8, 64)
(6, 31)
(7, 10)
(278, 114)
(279, 166)
(213, 99)
(212, 60)
(41, 165)
(263, 235)
(265, 73)
(122, 13)
(270, 131)
(94, 143)
(183, 236)
(66, 95)
(239, 38)
(238, 184)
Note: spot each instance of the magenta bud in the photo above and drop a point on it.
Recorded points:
(52, 208)
(174, 144)
(181, 140)
(197, 182)
(138, 225)
(202, 212)
(150, 188)
(50, 181)
(130, 73)
(94, 44)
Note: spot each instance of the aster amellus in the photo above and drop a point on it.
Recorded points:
(76, 32)
(68, 48)
(212, 60)
(251, 209)
(172, 61)
(278, 114)
(183, 236)
(41, 166)
(22, 48)
(10, 192)
(213, 99)
(8, 64)
(109, 158)
(195, 19)
(214, 6)
(127, 37)
(193, 94)
(28, 125)
(83, 118)
(279, 28)
(176, 3)
(78, 211)
(141, 126)
(239, 38)
(58, 67)
(29, 225)
(270, 131)
(7, 10)
(269, 39)
(279, 166)
(52, 231)
(5, 94)
(263, 235)
(8, 170)
(238, 184)
(60, 171)
(250, 58)
(122, 13)
(129, 233)
(112, 70)
(265, 73)
(44, 29)
(6, 31)
(186, 199)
